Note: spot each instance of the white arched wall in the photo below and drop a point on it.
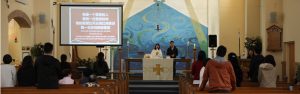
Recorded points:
(4, 29)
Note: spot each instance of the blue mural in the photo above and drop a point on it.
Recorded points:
(141, 34)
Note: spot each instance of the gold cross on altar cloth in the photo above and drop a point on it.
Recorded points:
(157, 69)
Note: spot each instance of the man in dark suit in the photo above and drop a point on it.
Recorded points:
(172, 52)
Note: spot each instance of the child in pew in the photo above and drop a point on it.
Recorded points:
(219, 73)
(66, 80)
(267, 72)
(8, 72)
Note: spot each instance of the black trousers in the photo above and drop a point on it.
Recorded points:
(174, 69)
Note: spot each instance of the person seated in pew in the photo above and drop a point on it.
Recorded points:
(197, 65)
(26, 73)
(47, 69)
(202, 72)
(63, 62)
(100, 66)
(8, 72)
(267, 72)
(219, 73)
(156, 52)
(66, 80)
(232, 57)
(85, 75)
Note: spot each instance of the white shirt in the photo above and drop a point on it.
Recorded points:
(66, 80)
(8, 75)
(156, 54)
(201, 76)
(267, 75)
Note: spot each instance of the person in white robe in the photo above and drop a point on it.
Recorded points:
(156, 52)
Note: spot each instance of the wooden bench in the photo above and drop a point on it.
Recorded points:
(119, 86)
(186, 87)
(71, 89)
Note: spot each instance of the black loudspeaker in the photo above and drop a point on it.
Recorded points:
(212, 41)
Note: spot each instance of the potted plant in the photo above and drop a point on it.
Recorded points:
(252, 43)
(36, 50)
(86, 63)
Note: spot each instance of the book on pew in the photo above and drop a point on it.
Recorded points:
(196, 82)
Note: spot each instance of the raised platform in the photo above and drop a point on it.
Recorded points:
(153, 87)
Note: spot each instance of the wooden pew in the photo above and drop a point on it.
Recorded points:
(70, 89)
(186, 87)
(119, 86)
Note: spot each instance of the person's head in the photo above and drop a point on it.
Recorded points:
(63, 58)
(201, 55)
(100, 56)
(221, 51)
(251, 52)
(157, 46)
(48, 47)
(27, 61)
(270, 59)
(232, 57)
(66, 72)
(7, 59)
(257, 50)
(172, 44)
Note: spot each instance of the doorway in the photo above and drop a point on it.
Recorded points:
(19, 35)
(289, 57)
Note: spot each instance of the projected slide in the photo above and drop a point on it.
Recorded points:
(86, 25)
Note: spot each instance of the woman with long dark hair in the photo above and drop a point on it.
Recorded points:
(267, 72)
(26, 73)
(197, 65)
(156, 52)
(232, 57)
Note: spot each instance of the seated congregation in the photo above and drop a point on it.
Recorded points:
(48, 73)
(216, 75)
(219, 75)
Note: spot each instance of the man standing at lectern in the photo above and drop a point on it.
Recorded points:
(172, 52)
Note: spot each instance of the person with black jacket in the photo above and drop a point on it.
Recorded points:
(26, 73)
(100, 66)
(63, 62)
(47, 69)
(172, 52)
(254, 65)
(232, 57)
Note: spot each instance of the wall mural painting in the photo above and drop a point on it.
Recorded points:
(141, 34)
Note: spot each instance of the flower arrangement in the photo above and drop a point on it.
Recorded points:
(253, 43)
(37, 50)
(86, 62)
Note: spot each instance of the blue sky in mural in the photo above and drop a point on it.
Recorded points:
(142, 36)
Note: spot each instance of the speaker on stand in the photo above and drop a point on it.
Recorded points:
(212, 43)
